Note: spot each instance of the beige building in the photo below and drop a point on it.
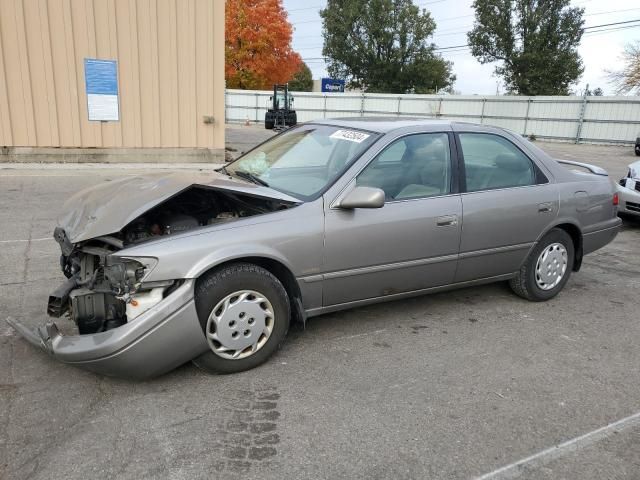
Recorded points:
(169, 64)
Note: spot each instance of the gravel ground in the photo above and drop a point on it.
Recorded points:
(452, 385)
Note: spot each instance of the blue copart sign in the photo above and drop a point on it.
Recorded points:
(332, 85)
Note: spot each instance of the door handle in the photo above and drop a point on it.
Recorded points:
(447, 220)
(545, 207)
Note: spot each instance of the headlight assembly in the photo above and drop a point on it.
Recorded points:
(126, 274)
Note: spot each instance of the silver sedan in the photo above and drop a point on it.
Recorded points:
(330, 215)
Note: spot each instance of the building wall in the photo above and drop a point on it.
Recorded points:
(170, 56)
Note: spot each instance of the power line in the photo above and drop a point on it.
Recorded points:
(418, 4)
(305, 8)
(457, 49)
(615, 23)
(605, 30)
(585, 28)
(610, 11)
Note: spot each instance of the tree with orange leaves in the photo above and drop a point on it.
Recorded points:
(258, 45)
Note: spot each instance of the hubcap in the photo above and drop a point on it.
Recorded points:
(240, 324)
(551, 266)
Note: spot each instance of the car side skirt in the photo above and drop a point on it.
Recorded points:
(415, 293)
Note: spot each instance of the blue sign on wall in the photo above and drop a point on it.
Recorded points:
(101, 80)
(331, 85)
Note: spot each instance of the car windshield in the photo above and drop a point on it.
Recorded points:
(304, 160)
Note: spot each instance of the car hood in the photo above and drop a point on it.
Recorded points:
(108, 207)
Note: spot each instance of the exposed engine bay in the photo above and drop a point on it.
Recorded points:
(193, 208)
(104, 292)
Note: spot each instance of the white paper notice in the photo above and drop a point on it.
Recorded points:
(102, 107)
(351, 135)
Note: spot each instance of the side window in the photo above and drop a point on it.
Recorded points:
(491, 161)
(411, 167)
(393, 153)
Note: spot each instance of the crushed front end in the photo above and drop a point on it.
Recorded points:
(102, 291)
(121, 324)
(125, 327)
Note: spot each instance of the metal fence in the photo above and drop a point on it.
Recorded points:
(574, 119)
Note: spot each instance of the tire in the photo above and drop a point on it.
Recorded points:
(268, 121)
(526, 284)
(292, 119)
(216, 286)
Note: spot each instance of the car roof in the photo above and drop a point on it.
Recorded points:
(384, 124)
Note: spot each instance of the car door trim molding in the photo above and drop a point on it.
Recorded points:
(498, 189)
(335, 204)
(490, 251)
(379, 268)
(413, 293)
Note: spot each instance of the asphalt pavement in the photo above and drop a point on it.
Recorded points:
(464, 384)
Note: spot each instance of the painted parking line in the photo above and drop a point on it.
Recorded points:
(532, 462)
(27, 240)
(88, 174)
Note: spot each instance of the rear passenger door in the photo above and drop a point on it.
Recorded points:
(507, 202)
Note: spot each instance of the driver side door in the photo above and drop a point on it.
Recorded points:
(409, 244)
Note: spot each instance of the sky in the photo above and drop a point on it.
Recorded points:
(600, 51)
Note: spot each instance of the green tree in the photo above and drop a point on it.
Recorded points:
(535, 41)
(382, 46)
(302, 80)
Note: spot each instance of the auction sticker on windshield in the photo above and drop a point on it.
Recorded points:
(350, 135)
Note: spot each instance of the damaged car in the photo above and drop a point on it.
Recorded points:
(629, 189)
(213, 267)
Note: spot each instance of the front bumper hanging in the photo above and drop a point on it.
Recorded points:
(159, 340)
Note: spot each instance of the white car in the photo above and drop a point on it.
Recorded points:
(629, 191)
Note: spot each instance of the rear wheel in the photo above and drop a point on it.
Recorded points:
(244, 313)
(547, 269)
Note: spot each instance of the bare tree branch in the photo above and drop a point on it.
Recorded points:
(627, 80)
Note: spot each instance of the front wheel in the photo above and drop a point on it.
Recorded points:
(244, 312)
(547, 269)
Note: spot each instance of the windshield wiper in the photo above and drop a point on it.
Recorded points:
(251, 177)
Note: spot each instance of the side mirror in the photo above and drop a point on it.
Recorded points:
(363, 197)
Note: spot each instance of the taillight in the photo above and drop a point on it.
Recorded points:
(616, 199)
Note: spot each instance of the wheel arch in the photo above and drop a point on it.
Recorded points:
(278, 270)
(575, 233)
